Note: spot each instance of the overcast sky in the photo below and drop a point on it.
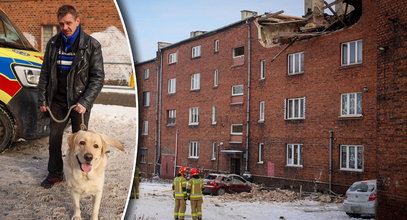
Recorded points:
(152, 21)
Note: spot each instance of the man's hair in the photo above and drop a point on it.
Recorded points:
(66, 9)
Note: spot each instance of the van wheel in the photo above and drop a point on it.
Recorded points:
(7, 129)
(221, 191)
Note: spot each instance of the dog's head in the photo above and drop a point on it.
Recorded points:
(89, 148)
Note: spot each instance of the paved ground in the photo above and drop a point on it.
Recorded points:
(117, 96)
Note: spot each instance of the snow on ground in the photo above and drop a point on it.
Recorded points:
(25, 165)
(156, 203)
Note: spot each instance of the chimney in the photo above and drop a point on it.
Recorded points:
(196, 33)
(247, 14)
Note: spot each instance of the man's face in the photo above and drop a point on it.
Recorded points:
(68, 24)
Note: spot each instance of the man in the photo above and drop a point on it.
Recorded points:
(72, 74)
(194, 190)
(179, 187)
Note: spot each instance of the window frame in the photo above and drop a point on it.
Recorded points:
(171, 117)
(193, 150)
(192, 112)
(347, 168)
(238, 94)
(144, 128)
(287, 109)
(262, 69)
(172, 86)
(195, 81)
(216, 46)
(358, 52)
(260, 159)
(292, 65)
(146, 73)
(236, 133)
(358, 103)
(234, 52)
(216, 78)
(172, 58)
(214, 151)
(214, 115)
(299, 155)
(143, 155)
(196, 51)
(146, 98)
(262, 108)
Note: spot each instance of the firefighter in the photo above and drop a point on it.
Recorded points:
(179, 188)
(136, 184)
(194, 190)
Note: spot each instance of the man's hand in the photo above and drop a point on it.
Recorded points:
(80, 109)
(43, 108)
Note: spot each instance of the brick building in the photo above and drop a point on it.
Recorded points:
(291, 101)
(101, 19)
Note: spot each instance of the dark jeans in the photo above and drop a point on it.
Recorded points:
(59, 110)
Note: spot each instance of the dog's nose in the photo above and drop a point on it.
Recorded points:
(88, 157)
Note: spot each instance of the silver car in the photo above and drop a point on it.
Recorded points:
(360, 199)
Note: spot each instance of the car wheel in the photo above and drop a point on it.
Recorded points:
(221, 191)
(7, 129)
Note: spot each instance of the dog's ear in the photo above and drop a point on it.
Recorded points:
(71, 140)
(111, 141)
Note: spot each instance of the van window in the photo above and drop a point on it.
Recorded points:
(10, 37)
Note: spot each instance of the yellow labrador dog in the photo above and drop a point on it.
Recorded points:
(84, 167)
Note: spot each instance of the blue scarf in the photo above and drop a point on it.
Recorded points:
(70, 40)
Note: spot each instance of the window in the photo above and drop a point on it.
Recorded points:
(214, 115)
(172, 85)
(262, 69)
(352, 52)
(295, 108)
(216, 46)
(237, 90)
(193, 150)
(196, 51)
(48, 31)
(351, 104)
(261, 145)
(238, 51)
(213, 151)
(172, 115)
(295, 63)
(195, 84)
(146, 73)
(144, 129)
(194, 116)
(261, 118)
(146, 99)
(294, 155)
(352, 157)
(215, 78)
(172, 58)
(143, 155)
(236, 129)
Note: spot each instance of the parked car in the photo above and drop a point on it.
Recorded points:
(360, 199)
(219, 184)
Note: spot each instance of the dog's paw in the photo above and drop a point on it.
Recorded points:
(76, 218)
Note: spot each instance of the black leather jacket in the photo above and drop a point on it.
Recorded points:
(85, 79)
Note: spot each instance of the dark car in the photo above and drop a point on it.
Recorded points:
(219, 184)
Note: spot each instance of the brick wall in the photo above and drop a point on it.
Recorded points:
(392, 105)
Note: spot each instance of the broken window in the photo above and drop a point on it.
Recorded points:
(238, 51)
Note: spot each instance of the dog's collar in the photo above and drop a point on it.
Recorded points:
(80, 164)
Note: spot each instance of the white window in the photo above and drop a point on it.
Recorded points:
(236, 129)
(214, 115)
(196, 51)
(172, 115)
(295, 63)
(294, 155)
(295, 108)
(237, 90)
(352, 52)
(172, 85)
(146, 99)
(215, 78)
(172, 58)
(144, 129)
(262, 69)
(216, 46)
(238, 52)
(260, 159)
(261, 107)
(351, 104)
(352, 157)
(213, 151)
(193, 149)
(48, 31)
(195, 81)
(194, 116)
(146, 73)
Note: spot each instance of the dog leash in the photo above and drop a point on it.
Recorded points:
(82, 126)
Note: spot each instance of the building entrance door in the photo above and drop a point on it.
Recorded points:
(235, 165)
(167, 167)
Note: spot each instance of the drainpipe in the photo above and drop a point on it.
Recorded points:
(248, 97)
(176, 151)
(158, 115)
(331, 141)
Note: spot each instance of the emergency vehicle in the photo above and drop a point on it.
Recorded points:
(20, 67)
